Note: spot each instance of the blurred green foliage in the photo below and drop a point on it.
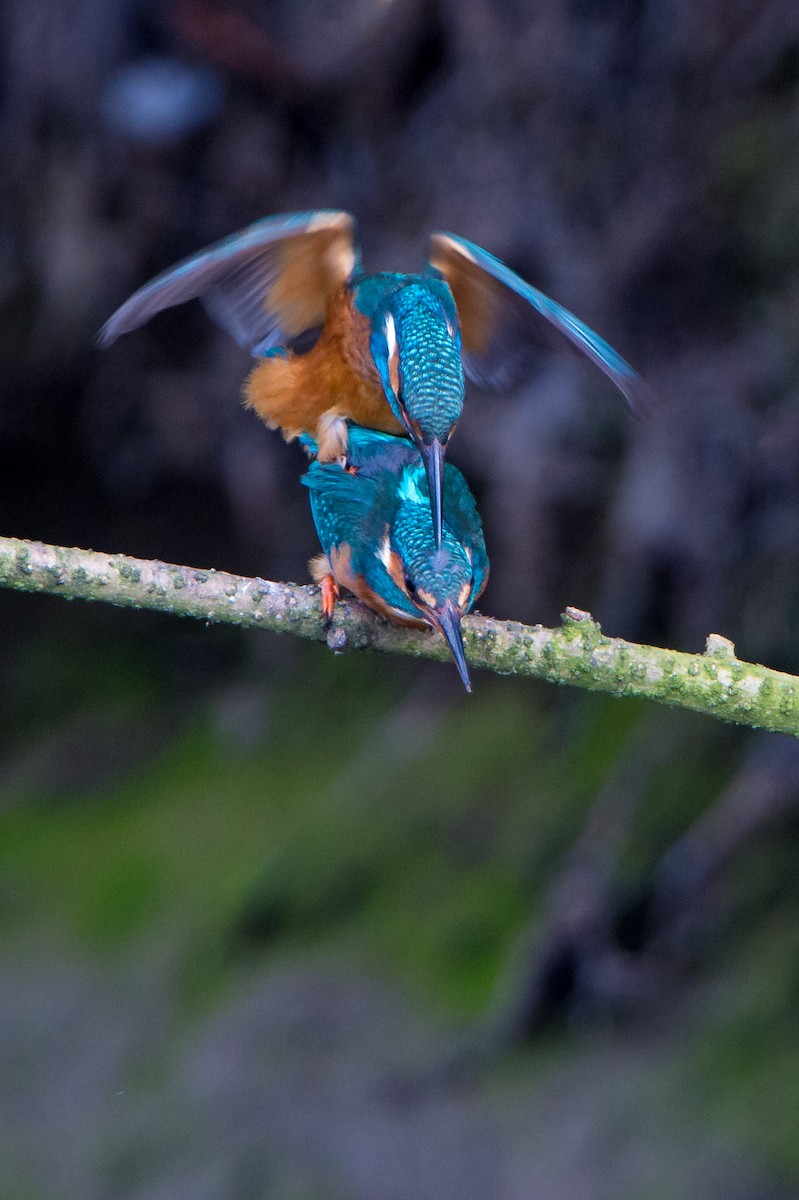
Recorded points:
(361, 811)
(365, 819)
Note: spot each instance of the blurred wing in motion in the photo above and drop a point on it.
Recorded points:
(265, 285)
(505, 322)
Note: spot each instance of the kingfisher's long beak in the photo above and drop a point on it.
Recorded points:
(433, 458)
(448, 620)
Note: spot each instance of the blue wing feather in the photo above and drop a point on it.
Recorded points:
(355, 508)
(264, 285)
(343, 506)
(501, 318)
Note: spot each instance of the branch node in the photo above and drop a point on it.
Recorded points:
(337, 640)
(576, 614)
(719, 647)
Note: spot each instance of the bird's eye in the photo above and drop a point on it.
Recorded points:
(410, 586)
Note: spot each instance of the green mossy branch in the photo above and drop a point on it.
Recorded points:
(716, 682)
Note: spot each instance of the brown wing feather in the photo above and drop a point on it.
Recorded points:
(477, 297)
(313, 267)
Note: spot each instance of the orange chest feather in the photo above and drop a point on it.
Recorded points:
(337, 376)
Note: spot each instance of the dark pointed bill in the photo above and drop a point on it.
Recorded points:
(448, 620)
(433, 457)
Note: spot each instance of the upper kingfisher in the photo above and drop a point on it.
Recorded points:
(390, 349)
(373, 519)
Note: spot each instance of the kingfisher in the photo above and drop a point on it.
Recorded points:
(372, 514)
(386, 351)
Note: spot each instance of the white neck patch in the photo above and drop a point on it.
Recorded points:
(391, 335)
(383, 552)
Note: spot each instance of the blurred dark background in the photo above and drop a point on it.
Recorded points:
(281, 926)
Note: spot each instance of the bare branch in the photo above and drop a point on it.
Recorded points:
(716, 682)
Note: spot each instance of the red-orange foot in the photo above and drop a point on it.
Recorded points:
(330, 595)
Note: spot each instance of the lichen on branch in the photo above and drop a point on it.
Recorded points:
(715, 682)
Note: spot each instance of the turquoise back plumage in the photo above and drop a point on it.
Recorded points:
(389, 496)
(429, 361)
(420, 313)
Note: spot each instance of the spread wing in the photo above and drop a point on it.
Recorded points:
(265, 285)
(505, 321)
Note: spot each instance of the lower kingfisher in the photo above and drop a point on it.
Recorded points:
(373, 519)
(390, 349)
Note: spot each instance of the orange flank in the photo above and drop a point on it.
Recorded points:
(340, 561)
(336, 379)
(335, 572)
